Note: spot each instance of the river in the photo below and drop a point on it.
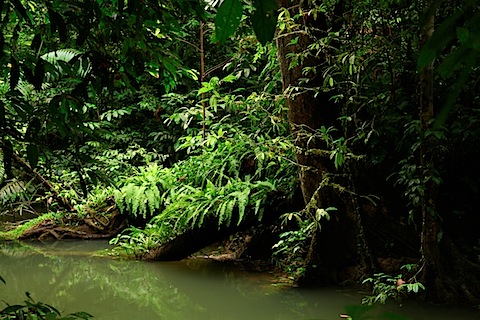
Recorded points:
(72, 277)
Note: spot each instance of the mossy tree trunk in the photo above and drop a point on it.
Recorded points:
(432, 269)
(335, 246)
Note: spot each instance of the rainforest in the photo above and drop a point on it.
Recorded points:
(330, 142)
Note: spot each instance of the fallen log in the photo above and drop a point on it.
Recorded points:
(186, 244)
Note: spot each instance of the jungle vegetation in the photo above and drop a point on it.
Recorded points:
(342, 134)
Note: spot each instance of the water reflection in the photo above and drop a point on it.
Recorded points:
(68, 276)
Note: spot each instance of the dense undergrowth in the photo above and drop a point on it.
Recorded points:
(177, 132)
(173, 173)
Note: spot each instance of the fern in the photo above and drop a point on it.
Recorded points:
(59, 60)
(13, 190)
(211, 185)
(142, 194)
(242, 199)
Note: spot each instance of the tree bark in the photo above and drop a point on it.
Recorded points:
(335, 247)
(432, 264)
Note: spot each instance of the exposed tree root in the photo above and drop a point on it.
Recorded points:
(98, 226)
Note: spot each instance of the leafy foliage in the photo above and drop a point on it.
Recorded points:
(458, 36)
(204, 187)
(290, 251)
(388, 287)
(264, 19)
(141, 194)
(37, 310)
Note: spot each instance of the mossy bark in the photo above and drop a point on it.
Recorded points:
(335, 246)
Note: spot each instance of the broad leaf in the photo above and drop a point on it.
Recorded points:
(2, 113)
(32, 155)
(21, 10)
(36, 42)
(33, 129)
(38, 74)
(82, 315)
(443, 35)
(14, 73)
(264, 19)
(228, 19)
(11, 309)
(57, 23)
(2, 44)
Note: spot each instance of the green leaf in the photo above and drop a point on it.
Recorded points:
(463, 35)
(454, 60)
(33, 129)
(36, 42)
(264, 19)
(38, 74)
(443, 35)
(452, 97)
(230, 78)
(2, 113)
(32, 155)
(57, 23)
(2, 44)
(21, 9)
(82, 315)
(11, 309)
(228, 19)
(14, 73)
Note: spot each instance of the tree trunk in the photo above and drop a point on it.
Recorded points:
(432, 268)
(335, 247)
(447, 275)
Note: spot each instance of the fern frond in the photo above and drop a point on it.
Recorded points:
(221, 212)
(57, 61)
(242, 200)
(60, 55)
(14, 189)
(138, 201)
(229, 211)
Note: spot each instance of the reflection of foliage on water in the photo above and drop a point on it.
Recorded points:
(64, 274)
(136, 284)
(195, 289)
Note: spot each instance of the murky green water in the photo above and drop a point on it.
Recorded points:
(68, 276)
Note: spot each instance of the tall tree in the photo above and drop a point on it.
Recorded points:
(340, 242)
